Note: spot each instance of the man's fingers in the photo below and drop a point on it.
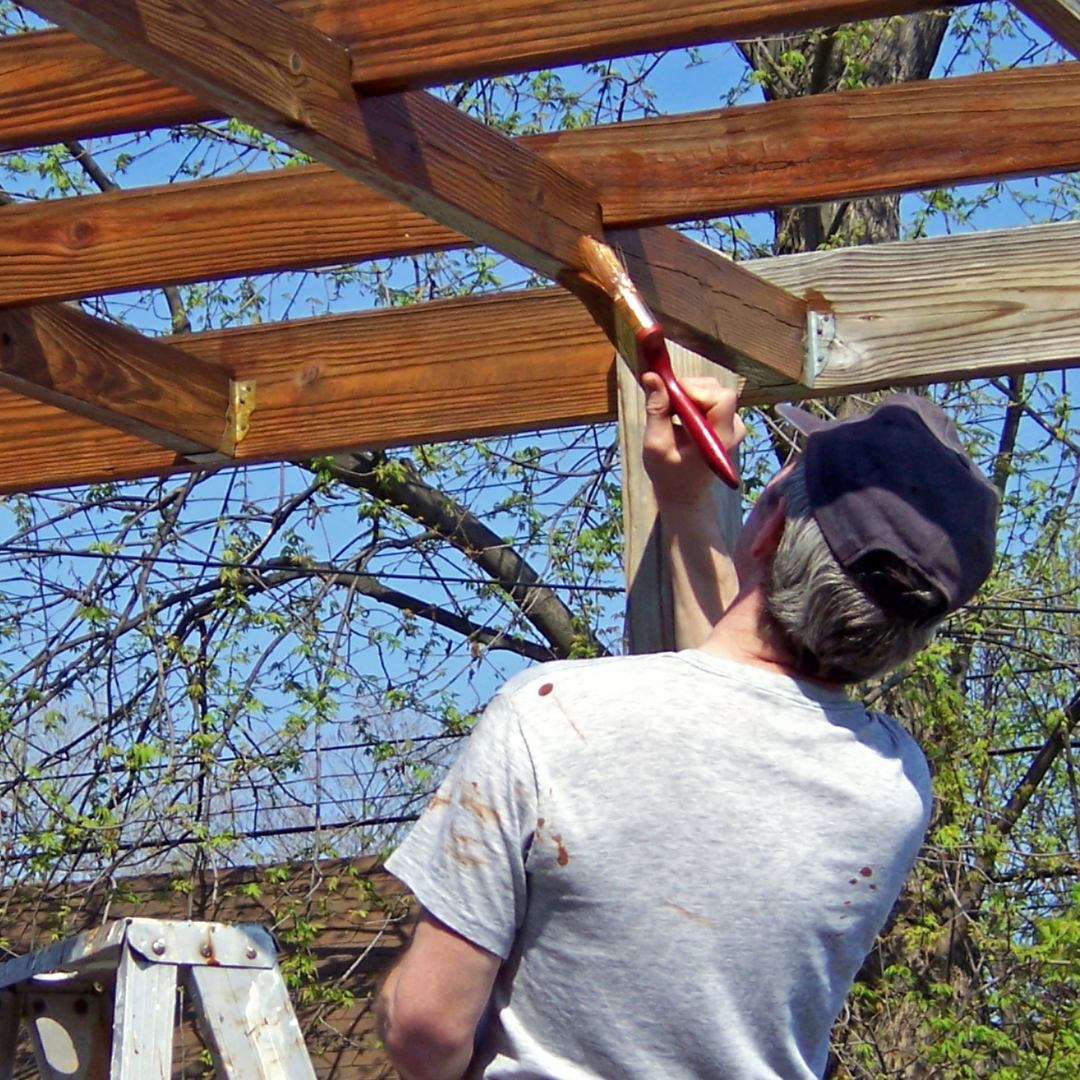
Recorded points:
(738, 430)
(720, 406)
(665, 437)
(707, 393)
(657, 401)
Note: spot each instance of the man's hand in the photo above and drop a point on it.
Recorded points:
(675, 466)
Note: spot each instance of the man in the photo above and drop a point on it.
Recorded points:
(673, 866)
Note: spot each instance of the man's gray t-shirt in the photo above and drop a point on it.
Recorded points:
(682, 860)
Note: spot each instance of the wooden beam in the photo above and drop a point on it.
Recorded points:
(701, 298)
(676, 168)
(922, 311)
(111, 375)
(707, 304)
(1059, 18)
(442, 370)
(711, 311)
(272, 70)
(902, 137)
(942, 309)
(282, 219)
(54, 86)
(265, 67)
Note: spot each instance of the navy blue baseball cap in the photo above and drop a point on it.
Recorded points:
(897, 480)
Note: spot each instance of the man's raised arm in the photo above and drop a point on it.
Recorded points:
(703, 575)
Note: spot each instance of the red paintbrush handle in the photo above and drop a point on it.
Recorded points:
(653, 350)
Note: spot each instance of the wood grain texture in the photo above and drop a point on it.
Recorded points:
(114, 376)
(687, 167)
(258, 63)
(1059, 18)
(706, 303)
(945, 308)
(709, 305)
(177, 233)
(480, 366)
(54, 86)
(921, 311)
(904, 137)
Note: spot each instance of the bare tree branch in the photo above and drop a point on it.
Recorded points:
(460, 527)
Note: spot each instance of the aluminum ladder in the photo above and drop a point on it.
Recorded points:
(102, 1005)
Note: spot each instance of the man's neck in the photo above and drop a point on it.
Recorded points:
(738, 637)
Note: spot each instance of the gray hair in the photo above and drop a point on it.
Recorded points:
(843, 627)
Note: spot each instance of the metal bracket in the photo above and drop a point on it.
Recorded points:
(238, 418)
(820, 334)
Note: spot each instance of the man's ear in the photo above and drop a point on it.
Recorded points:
(772, 530)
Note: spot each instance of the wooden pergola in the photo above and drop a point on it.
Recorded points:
(401, 172)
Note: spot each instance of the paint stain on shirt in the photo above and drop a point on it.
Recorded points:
(563, 854)
(462, 849)
(693, 916)
(470, 799)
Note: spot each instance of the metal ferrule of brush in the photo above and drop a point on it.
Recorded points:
(634, 310)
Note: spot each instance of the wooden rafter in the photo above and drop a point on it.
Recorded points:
(54, 85)
(265, 67)
(115, 376)
(919, 311)
(669, 169)
(1059, 18)
(269, 68)
(688, 283)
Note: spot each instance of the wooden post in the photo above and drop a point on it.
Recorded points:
(650, 624)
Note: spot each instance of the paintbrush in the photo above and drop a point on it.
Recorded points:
(640, 339)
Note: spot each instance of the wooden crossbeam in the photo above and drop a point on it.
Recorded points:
(689, 284)
(275, 71)
(265, 67)
(943, 309)
(446, 369)
(63, 357)
(921, 311)
(1059, 18)
(54, 86)
(674, 168)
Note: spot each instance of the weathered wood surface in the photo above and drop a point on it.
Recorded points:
(710, 310)
(281, 219)
(387, 378)
(668, 169)
(945, 308)
(111, 375)
(920, 311)
(1059, 18)
(265, 67)
(273, 70)
(54, 86)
